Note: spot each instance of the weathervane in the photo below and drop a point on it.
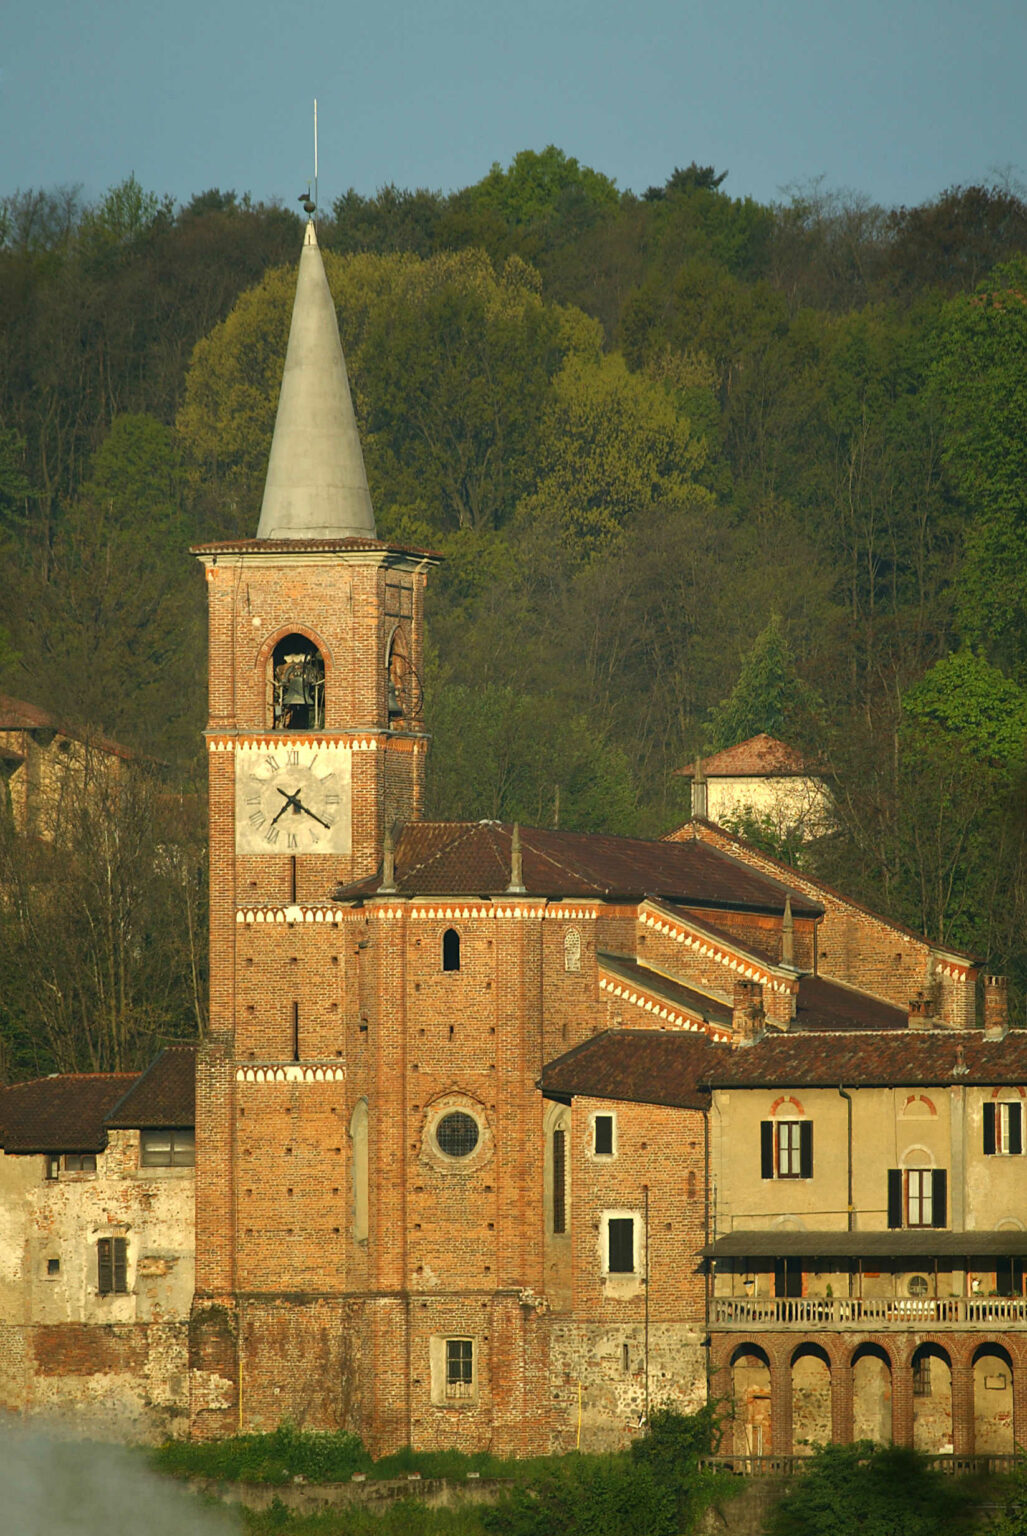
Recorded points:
(310, 205)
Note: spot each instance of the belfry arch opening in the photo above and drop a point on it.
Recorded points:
(296, 685)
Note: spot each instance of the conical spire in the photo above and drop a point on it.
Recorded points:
(316, 486)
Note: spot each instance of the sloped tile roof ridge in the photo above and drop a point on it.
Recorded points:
(761, 755)
(71, 1077)
(786, 887)
(703, 822)
(683, 914)
(119, 1116)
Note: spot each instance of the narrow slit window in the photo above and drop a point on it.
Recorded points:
(559, 1182)
(450, 950)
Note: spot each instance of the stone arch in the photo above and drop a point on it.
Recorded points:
(811, 1397)
(750, 1393)
(930, 1364)
(993, 1373)
(871, 1392)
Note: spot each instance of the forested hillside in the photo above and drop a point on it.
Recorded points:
(699, 467)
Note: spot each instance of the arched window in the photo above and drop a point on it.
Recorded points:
(297, 685)
(402, 685)
(358, 1137)
(450, 950)
(572, 950)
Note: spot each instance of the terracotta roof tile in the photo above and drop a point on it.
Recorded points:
(288, 546)
(864, 1059)
(163, 1095)
(697, 1004)
(641, 1066)
(473, 859)
(829, 1005)
(17, 715)
(62, 1113)
(761, 756)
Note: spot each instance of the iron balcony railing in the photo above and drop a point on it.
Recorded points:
(812, 1312)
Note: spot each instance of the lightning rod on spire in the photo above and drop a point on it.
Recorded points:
(315, 153)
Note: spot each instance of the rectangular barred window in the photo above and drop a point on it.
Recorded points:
(559, 1181)
(112, 1266)
(459, 1368)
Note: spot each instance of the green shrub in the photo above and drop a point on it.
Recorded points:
(277, 1457)
(870, 1490)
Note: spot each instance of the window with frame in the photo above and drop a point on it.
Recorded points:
(922, 1376)
(1003, 1128)
(164, 1148)
(112, 1266)
(559, 1182)
(917, 1197)
(80, 1162)
(620, 1245)
(786, 1149)
(459, 1368)
(602, 1135)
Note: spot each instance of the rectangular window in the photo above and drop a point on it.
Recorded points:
(459, 1368)
(922, 1376)
(52, 1164)
(112, 1266)
(621, 1245)
(786, 1149)
(559, 1181)
(919, 1198)
(167, 1148)
(80, 1162)
(603, 1134)
(926, 1197)
(1003, 1129)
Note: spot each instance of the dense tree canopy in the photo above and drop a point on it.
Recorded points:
(698, 466)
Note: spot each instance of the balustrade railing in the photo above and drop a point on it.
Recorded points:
(812, 1312)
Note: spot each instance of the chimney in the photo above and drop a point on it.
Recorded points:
(748, 1021)
(788, 935)
(921, 1011)
(996, 1013)
(516, 886)
(699, 795)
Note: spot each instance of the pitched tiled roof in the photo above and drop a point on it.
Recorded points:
(828, 1005)
(699, 828)
(761, 756)
(895, 1058)
(473, 859)
(163, 1095)
(60, 1114)
(16, 715)
(641, 1066)
(698, 1004)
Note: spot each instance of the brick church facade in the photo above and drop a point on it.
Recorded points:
(505, 1136)
(462, 1172)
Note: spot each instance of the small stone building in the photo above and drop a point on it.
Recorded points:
(97, 1219)
(46, 766)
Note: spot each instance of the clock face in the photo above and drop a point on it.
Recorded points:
(292, 797)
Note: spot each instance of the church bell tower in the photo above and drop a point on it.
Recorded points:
(316, 746)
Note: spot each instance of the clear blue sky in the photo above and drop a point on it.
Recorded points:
(895, 99)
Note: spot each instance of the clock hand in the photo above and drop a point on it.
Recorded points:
(290, 800)
(301, 807)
